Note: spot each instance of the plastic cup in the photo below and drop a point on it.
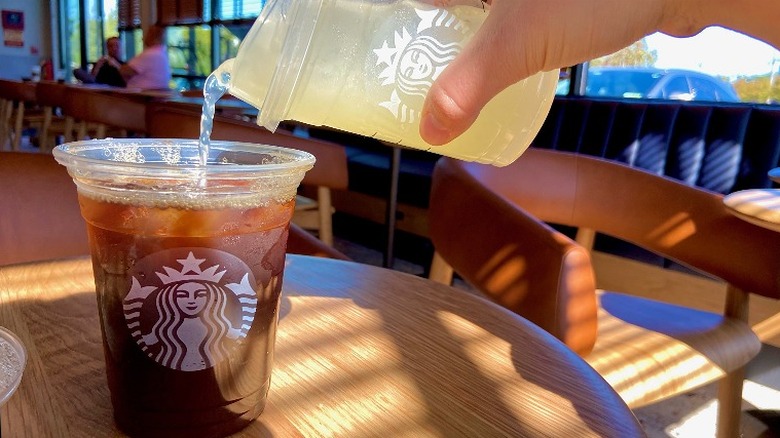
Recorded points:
(365, 66)
(13, 358)
(188, 263)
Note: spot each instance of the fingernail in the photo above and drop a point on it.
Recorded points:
(433, 130)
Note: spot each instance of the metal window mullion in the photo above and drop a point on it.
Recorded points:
(83, 32)
(215, 52)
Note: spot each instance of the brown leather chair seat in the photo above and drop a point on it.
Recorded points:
(490, 225)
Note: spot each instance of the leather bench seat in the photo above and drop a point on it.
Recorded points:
(369, 160)
(718, 147)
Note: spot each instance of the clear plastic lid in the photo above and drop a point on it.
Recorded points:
(13, 358)
(167, 171)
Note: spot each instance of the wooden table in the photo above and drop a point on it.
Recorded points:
(758, 206)
(774, 174)
(137, 92)
(226, 105)
(361, 351)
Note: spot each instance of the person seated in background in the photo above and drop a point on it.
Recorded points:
(150, 69)
(106, 69)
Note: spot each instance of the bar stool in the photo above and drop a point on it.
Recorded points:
(52, 96)
(16, 117)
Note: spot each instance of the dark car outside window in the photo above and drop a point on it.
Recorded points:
(675, 88)
(705, 91)
(653, 83)
(620, 83)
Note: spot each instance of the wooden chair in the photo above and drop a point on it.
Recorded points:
(490, 225)
(15, 116)
(6, 109)
(41, 219)
(52, 96)
(329, 172)
(96, 111)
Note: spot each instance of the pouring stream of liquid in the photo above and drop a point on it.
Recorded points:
(216, 86)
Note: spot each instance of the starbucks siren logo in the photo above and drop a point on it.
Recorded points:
(413, 62)
(190, 319)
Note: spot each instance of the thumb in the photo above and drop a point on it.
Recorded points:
(474, 77)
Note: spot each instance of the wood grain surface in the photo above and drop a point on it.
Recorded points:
(361, 351)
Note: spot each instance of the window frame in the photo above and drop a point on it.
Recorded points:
(768, 95)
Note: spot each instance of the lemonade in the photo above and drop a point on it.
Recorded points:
(366, 67)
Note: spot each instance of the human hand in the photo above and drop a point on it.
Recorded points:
(522, 37)
(112, 62)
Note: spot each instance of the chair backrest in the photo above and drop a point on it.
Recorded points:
(300, 241)
(687, 224)
(515, 259)
(121, 111)
(40, 216)
(50, 93)
(680, 222)
(330, 169)
(17, 90)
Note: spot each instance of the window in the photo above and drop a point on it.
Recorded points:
(201, 34)
(230, 37)
(94, 26)
(719, 64)
(129, 26)
(70, 23)
(238, 9)
(189, 51)
(198, 45)
(84, 26)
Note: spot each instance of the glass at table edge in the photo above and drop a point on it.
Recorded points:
(15, 343)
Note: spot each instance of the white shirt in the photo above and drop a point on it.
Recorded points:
(153, 72)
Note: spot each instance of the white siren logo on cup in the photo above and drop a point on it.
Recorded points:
(189, 319)
(412, 61)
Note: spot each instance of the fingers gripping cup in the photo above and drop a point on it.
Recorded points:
(365, 66)
(188, 263)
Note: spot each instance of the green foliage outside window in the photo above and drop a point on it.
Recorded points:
(635, 55)
(761, 89)
(752, 87)
(95, 43)
(228, 44)
(189, 50)
(71, 24)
